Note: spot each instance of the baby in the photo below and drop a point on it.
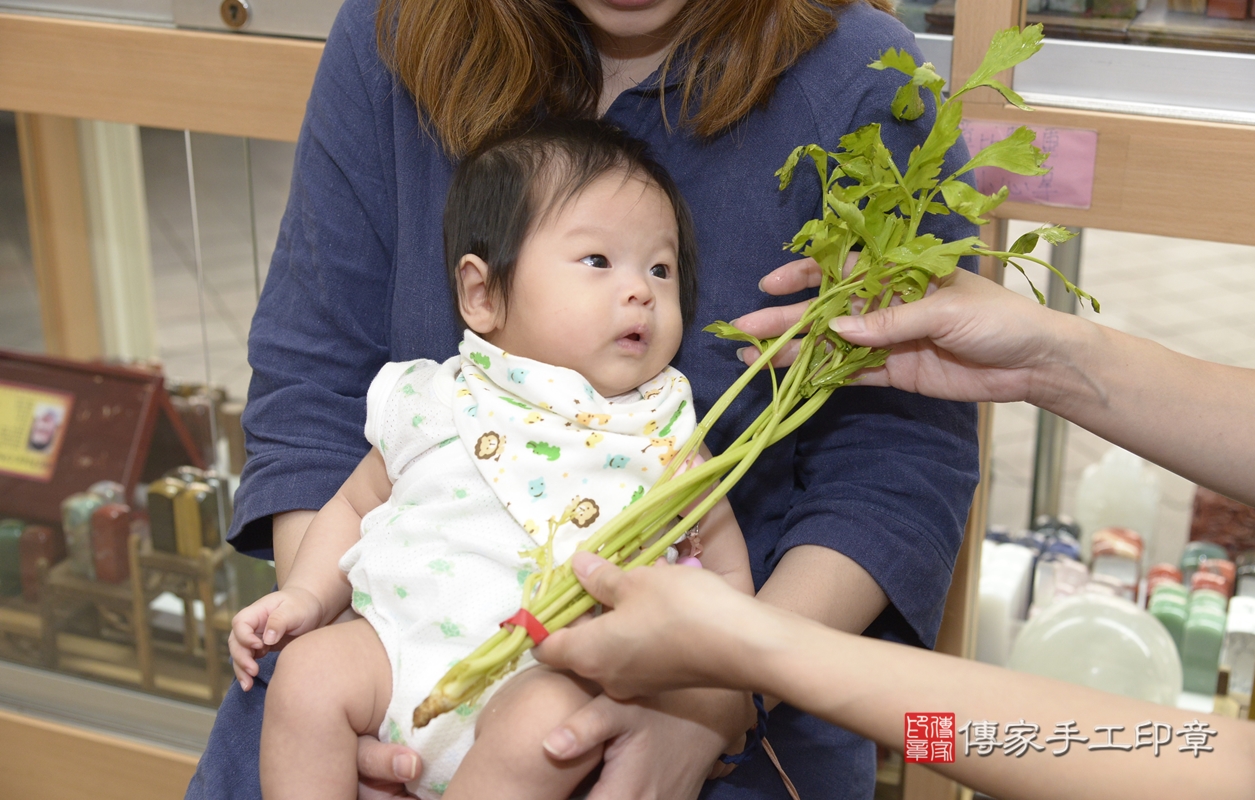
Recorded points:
(572, 258)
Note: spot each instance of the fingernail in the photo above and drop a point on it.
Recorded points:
(760, 284)
(559, 742)
(405, 767)
(847, 324)
(270, 637)
(740, 353)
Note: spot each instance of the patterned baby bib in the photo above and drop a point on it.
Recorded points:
(552, 448)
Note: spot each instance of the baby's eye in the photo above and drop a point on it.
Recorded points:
(660, 271)
(596, 261)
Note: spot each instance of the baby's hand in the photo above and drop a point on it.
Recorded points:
(692, 462)
(267, 625)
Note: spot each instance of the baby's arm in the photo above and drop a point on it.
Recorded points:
(723, 545)
(316, 591)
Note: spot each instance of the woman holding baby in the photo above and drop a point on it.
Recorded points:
(853, 522)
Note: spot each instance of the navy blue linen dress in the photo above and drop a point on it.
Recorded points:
(358, 279)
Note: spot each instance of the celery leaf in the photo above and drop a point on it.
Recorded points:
(1008, 48)
(970, 203)
(1016, 153)
(726, 330)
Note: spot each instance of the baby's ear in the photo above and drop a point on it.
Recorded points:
(479, 308)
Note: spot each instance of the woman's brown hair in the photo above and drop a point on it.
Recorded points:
(480, 67)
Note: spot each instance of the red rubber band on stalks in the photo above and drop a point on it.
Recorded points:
(533, 626)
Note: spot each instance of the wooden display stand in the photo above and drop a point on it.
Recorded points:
(154, 572)
(65, 425)
(121, 611)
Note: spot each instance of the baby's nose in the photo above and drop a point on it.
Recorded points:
(638, 289)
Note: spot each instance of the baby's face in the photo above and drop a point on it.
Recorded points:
(595, 287)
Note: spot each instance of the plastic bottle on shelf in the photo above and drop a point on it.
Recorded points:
(1169, 605)
(1117, 554)
(1200, 653)
(1005, 578)
(1054, 578)
(1245, 569)
(1210, 581)
(1224, 704)
(1238, 652)
(1121, 490)
(1223, 568)
(1210, 598)
(1160, 574)
(1197, 552)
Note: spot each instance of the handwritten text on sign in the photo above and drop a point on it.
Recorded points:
(1070, 182)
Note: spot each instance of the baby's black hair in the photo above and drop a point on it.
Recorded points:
(502, 189)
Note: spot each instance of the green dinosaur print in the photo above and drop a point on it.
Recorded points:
(459, 494)
(439, 788)
(482, 360)
(448, 441)
(408, 390)
(441, 567)
(401, 592)
(667, 430)
(360, 600)
(395, 734)
(514, 402)
(450, 629)
(418, 420)
(466, 709)
(411, 369)
(637, 495)
(522, 575)
(546, 450)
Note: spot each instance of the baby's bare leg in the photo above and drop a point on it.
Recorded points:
(507, 759)
(329, 686)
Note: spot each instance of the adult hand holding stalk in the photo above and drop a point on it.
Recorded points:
(971, 341)
(974, 340)
(673, 626)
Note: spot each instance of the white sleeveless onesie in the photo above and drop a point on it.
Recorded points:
(441, 563)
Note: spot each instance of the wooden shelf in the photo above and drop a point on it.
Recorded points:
(58, 762)
(211, 82)
(1163, 28)
(1155, 26)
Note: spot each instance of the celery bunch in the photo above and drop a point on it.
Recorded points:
(869, 207)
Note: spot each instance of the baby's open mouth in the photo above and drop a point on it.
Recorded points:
(635, 339)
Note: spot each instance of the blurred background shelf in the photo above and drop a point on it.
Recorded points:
(1155, 26)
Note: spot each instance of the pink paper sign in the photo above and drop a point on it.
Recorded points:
(1070, 182)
